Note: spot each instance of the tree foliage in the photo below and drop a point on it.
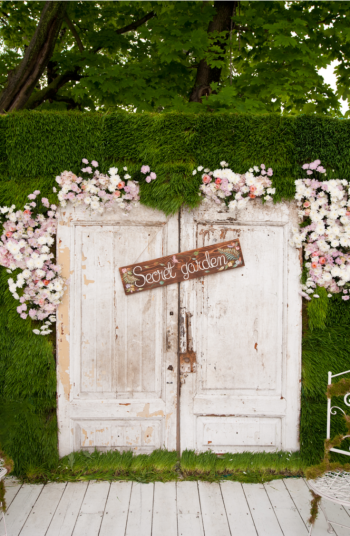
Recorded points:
(240, 56)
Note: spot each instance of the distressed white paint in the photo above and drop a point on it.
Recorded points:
(115, 387)
(246, 329)
(117, 354)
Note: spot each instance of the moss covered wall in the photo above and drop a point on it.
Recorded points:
(37, 146)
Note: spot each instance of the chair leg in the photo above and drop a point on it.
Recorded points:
(3, 518)
(330, 529)
(311, 529)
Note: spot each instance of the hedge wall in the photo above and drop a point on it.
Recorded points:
(36, 146)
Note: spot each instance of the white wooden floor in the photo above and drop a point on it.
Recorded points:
(279, 508)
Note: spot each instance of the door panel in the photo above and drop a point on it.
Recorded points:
(117, 371)
(246, 329)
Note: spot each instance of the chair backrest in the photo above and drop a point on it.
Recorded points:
(332, 410)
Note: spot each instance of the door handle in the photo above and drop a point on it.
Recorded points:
(188, 359)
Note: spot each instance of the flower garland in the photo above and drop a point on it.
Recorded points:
(28, 234)
(324, 232)
(224, 185)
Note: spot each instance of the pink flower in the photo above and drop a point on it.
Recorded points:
(306, 166)
(102, 193)
(121, 185)
(36, 192)
(309, 172)
(217, 181)
(148, 179)
(94, 163)
(85, 161)
(23, 315)
(145, 169)
(270, 172)
(206, 179)
(88, 169)
(32, 204)
(306, 204)
(153, 176)
(116, 194)
(31, 196)
(45, 202)
(345, 298)
(262, 166)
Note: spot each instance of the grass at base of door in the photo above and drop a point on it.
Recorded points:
(164, 466)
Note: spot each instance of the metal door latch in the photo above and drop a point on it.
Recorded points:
(188, 359)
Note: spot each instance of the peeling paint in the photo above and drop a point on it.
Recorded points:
(88, 281)
(145, 412)
(63, 325)
(148, 435)
(85, 437)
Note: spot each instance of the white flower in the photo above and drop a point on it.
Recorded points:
(194, 172)
(200, 168)
(113, 170)
(223, 164)
(36, 331)
(87, 200)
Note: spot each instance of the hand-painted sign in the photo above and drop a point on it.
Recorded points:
(182, 266)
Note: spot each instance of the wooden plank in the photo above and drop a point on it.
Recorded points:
(189, 511)
(140, 510)
(263, 515)
(336, 512)
(182, 266)
(92, 509)
(21, 507)
(12, 487)
(301, 497)
(237, 509)
(117, 507)
(213, 510)
(286, 512)
(164, 509)
(67, 512)
(41, 515)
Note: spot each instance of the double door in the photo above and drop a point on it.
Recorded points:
(122, 382)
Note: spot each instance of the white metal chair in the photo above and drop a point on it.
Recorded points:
(3, 473)
(333, 485)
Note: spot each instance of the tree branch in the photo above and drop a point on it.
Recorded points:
(25, 77)
(68, 100)
(50, 91)
(132, 26)
(74, 32)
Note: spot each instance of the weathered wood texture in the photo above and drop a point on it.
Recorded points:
(246, 333)
(278, 508)
(182, 266)
(117, 357)
(118, 365)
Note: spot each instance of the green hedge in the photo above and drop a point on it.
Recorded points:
(36, 146)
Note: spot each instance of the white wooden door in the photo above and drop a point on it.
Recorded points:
(116, 355)
(246, 331)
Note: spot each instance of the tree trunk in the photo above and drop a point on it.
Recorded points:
(23, 80)
(206, 74)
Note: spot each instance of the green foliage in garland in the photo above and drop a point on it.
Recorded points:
(317, 309)
(37, 146)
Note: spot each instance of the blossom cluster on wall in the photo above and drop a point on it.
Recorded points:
(28, 235)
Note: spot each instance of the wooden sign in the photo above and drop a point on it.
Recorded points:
(182, 266)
